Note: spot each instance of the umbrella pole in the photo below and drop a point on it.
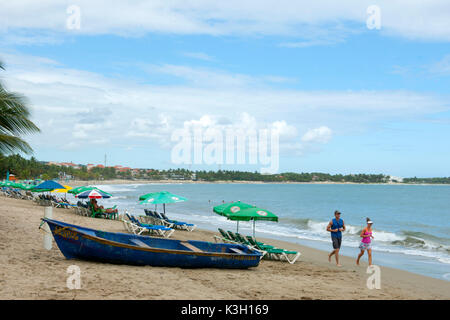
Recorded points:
(237, 226)
(164, 208)
(253, 229)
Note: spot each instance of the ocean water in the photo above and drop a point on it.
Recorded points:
(411, 222)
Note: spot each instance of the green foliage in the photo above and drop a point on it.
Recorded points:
(32, 169)
(442, 180)
(14, 122)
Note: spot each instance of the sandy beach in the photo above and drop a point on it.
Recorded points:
(28, 271)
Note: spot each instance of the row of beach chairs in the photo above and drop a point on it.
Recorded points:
(43, 200)
(268, 251)
(16, 194)
(133, 225)
(81, 208)
(46, 200)
(160, 218)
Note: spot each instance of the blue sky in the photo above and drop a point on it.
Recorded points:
(342, 98)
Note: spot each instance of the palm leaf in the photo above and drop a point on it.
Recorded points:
(10, 144)
(14, 122)
(14, 114)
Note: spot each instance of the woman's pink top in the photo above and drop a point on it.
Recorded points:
(367, 239)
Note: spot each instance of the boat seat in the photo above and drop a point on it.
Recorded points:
(140, 243)
(236, 250)
(190, 246)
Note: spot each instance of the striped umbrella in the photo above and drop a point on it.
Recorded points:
(81, 189)
(93, 194)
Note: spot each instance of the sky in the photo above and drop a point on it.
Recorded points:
(343, 86)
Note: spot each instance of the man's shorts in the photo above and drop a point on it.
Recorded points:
(336, 242)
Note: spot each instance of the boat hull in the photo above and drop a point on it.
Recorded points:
(77, 242)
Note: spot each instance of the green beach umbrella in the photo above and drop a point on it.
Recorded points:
(239, 211)
(226, 209)
(10, 184)
(161, 197)
(26, 187)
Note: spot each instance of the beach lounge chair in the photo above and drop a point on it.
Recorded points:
(129, 226)
(133, 227)
(154, 218)
(139, 227)
(96, 214)
(101, 213)
(224, 237)
(242, 239)
(233, 237)
(178, 224)
(82, 209)
(275, 253)
(245, 242)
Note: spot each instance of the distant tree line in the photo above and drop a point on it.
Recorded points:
(442, 180)
(27, 169)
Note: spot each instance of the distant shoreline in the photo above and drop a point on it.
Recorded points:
(171, 181)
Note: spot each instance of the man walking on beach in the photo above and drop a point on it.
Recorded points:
(336, 226)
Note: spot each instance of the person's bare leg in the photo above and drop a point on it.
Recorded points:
(337, 257)
(359, 257)
(369, 253)
(331, 253)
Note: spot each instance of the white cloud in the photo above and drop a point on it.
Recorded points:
(323, 19)
(209, 77)
(91, 108)
(317, 135)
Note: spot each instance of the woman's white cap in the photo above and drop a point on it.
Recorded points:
(370, 221)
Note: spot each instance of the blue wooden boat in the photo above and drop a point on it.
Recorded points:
(77, 242)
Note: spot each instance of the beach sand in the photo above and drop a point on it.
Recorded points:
(28, 271)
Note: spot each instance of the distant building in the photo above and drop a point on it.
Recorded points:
(122, 169)
(395, 179)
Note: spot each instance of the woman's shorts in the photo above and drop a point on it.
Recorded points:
(365, 246)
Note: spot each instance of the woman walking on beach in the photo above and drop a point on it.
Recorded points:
(336, 226)
(366, 242)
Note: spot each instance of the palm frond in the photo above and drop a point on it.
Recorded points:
(10, 144)
(14, 115)
(14, 122)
